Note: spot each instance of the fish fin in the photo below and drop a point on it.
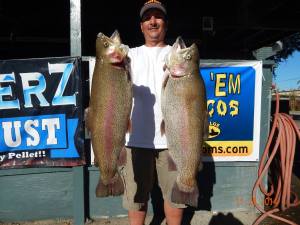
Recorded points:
(181, 197)
(200, 166)
(129, 126)
(162, 128)
(165, 67)
(117, 187)
(102, 190)
(96, 161)
(114, 187)
(86, 117)
(166, 77)
(171, 164)
(122, 157)
(116, 37)
(205, 127)
(179, 44)
(86, 120)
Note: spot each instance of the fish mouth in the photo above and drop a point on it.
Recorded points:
(178, 76)
(118, 64)
(117, 61)
(178, 71)
(115, 56)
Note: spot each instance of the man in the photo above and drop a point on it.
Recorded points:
(146, 147)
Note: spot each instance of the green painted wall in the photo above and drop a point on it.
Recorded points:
(99, 207)
(28, 194)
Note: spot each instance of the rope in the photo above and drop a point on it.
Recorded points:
(281, 155)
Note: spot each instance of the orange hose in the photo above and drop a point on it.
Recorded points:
(282, 156)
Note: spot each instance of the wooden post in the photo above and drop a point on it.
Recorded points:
(78, 172)
(78, 196)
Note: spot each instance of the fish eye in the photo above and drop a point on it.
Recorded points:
(188, 56)
(105, 44)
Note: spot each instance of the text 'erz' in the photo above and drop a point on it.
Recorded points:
(37, 90)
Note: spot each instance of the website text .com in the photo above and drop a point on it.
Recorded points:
(228, 149)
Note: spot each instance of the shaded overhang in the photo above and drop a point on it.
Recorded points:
(222, 29)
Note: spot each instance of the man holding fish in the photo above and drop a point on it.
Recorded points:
(147, 145)
(162, 86)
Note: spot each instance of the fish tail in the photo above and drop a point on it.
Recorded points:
(122, 157)
(86, 118)
(113, 187)
(162, 128)
(102, 190)
(188, 196)
(117, 186)
(171, 164)
(129, 126)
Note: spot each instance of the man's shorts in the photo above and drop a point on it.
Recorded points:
(138, 175)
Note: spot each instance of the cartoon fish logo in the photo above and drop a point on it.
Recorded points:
(214, 129)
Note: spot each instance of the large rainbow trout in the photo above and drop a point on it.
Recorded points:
(185, 118)
(109, 110)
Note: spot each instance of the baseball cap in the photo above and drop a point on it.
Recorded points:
(153, 4)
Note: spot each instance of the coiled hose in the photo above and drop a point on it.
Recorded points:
(280, 152)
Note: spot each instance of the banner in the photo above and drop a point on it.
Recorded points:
(41, 113)
(234, 104)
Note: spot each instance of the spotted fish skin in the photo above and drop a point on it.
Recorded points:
(185, 118)
(109, 110)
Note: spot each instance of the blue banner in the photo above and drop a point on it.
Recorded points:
(233, 92)
(230, 95)
(41, 113)
(32, 133)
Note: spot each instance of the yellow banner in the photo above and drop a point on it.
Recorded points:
(227, 148)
